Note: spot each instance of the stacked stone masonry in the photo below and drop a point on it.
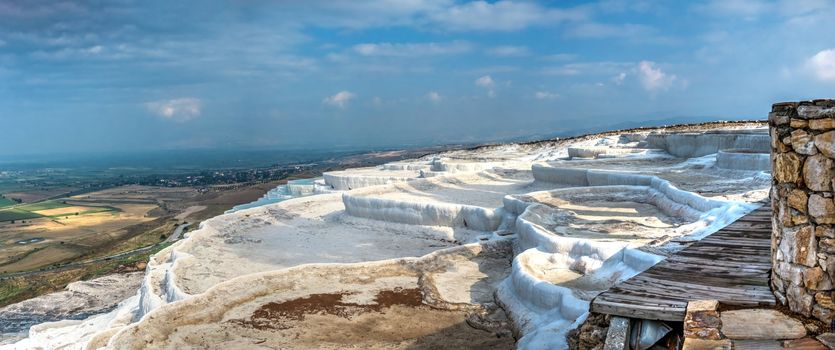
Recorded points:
(803, 236)
(705, 327)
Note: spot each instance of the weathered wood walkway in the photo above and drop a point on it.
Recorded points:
(731, 265)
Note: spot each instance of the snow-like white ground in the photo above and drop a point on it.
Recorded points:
(77, 301)
(578, 222)
(312, 229)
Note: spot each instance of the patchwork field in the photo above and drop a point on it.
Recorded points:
(40, 234)
(52, 208)
(81, 227)
(5, 202)
(16, 214)
(64, 233)
(43, 205)
(138, 193)
(35, 195)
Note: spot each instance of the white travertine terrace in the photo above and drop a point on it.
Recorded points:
(571, 227)
(358, 178)
(77, 301)
(743, 160)
(689, 145)
(607, 152)
(471, 200)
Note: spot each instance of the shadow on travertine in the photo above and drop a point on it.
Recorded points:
(463, 336)
(487, 327)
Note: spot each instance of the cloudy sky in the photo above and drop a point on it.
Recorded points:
(134, 75)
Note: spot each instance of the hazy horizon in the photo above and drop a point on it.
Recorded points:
(131, 76)
(67, 156)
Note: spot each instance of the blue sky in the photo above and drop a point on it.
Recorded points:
(140, 75)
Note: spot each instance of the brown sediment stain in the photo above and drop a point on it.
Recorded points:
(276, 315)
(399, 296)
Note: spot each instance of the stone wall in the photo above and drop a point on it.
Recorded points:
(803, 236)
(706, 327)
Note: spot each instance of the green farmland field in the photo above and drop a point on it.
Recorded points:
(16, 214)
(27, 211)
(5, 202)
(43, 206)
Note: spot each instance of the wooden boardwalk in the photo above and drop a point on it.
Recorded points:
(732, 265)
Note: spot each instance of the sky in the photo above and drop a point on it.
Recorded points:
(133, 75)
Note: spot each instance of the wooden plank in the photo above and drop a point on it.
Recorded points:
(643, 311)
(731, 265)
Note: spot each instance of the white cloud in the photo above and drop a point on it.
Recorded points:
(746, 9)
(501, 16)
(800, 7)
(565, 70)
(546, 95)
(178, 109)
(434, 96)
(653, 79)
(618, 79)
(359, 14)
(822, 65)
(751, 10)
(590, 68)
(492, 69)
(600, 30)
(340, 99)
(485, 81)
(439, 15)
(560, 57)
(509, 51)
(412, 49)
(488, 83)
(376, 101)
(74, 53)
(39, 10)
(621, 6)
